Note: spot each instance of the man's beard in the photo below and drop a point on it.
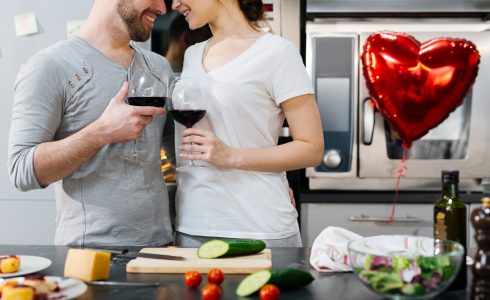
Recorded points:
(132, 19)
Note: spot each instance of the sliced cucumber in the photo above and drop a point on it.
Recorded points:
(284, 278)
(225, 248)
(253, 282)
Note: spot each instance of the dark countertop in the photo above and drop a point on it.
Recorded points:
(372, 197)
(326, 286)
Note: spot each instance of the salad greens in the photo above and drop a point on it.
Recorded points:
(403, 275)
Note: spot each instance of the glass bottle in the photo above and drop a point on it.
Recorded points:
(450, 221)
(480, 218)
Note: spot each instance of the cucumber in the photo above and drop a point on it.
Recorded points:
(284, 278)
(226, 248)
(253, 282)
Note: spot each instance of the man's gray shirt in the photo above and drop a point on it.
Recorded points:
(109, 200)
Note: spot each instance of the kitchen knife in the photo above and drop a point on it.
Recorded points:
(123, 283)
(129, 254)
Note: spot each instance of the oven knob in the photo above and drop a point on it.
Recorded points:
(332, 159)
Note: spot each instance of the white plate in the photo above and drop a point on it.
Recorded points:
(28, 264)
(69, 287)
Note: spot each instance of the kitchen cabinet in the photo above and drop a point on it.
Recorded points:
(364, 219)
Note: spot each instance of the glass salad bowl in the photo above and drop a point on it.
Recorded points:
(405, 267)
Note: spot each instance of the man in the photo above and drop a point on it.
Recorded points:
(67, 130)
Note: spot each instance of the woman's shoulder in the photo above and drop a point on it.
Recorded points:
(196, 49)
(276, 42)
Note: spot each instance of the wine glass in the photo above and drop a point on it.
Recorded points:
(186, 104)
(145, 89)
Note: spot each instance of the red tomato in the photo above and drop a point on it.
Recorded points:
(216, 276)
(210, 291)
(269, 292)
(192, 279)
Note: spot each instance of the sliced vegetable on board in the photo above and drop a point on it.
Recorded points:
(227, 248)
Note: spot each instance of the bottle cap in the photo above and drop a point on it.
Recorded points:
(450, 176)
(485, 201)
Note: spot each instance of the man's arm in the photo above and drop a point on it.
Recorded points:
(119, 123)
(35, 160)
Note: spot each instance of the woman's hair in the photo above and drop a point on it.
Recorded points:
(253, 11)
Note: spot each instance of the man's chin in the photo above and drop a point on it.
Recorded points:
(140, 37)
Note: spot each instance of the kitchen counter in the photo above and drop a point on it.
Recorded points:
(381, 197)
(326, 286)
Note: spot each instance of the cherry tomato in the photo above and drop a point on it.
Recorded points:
(192, 279)
(210, 291)
(269, 292)
(216, 276)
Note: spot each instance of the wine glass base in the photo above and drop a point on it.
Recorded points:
(192, 164)
(132, 159)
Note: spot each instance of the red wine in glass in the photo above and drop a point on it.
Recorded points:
(187, 117)
(146, 88)
(147, 101)
(187, 104)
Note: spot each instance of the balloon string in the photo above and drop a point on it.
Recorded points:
(402, 170)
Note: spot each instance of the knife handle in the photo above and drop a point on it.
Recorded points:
(111, 251)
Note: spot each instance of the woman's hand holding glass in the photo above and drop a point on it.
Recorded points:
(198, 144)
(186, 105)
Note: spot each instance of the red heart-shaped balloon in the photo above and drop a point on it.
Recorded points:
(416, 86)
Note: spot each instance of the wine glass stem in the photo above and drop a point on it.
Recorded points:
(191, 163)
(136, 145)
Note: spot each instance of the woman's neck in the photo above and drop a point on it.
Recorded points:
(231, 23)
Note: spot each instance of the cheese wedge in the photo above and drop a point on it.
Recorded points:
(87, 265)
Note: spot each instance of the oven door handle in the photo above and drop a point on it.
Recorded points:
(364, 218)
(368, 109)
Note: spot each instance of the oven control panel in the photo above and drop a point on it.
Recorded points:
(272, 10)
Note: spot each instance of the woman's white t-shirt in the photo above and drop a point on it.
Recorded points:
(243, 110)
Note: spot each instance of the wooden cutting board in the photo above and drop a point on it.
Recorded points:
(230, 265)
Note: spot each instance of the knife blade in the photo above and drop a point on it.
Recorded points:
(151, 255)
(123, 283)
(130, 254)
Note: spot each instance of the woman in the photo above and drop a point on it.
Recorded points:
(253, 80)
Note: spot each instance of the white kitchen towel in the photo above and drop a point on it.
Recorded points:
(329, 250)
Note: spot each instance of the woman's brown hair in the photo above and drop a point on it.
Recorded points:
(254, 12)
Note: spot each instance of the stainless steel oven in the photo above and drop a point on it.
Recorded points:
(360, 152)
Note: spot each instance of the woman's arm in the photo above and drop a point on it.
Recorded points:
(306, 149)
